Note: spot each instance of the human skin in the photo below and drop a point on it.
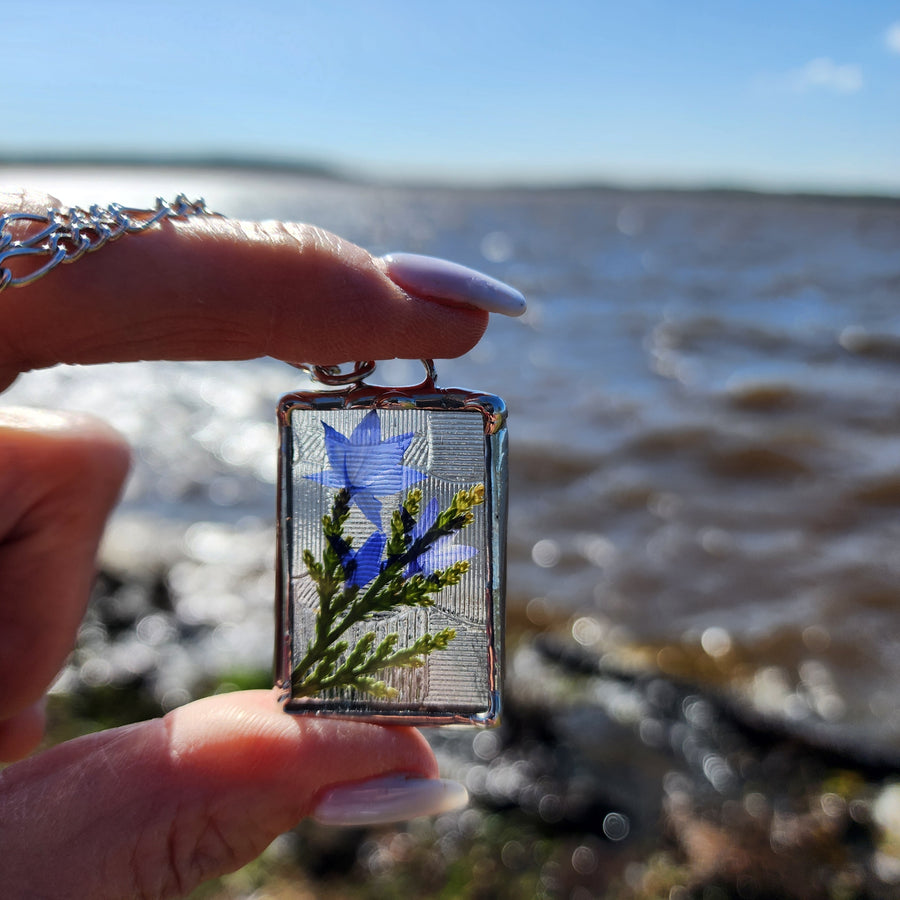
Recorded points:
(153, 809)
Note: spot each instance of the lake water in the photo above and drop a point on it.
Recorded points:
(705, 431)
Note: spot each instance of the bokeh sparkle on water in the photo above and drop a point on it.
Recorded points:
(705, 456)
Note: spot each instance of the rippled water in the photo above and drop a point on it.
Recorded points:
(704, 419)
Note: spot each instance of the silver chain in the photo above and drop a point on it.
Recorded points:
(64, 235)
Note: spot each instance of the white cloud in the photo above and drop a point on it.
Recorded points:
(825, 74)
(892, 37)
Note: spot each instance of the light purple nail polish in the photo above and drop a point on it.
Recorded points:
(394, 798)
(428, 276)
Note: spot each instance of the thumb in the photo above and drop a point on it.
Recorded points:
(151, 810)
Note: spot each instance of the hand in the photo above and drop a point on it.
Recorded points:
(153, 809)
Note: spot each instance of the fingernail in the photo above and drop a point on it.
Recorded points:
(393, 798)
(428, 276)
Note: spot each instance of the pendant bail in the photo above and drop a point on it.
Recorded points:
(333, 376)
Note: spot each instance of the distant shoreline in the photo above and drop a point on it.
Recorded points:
(313, 169)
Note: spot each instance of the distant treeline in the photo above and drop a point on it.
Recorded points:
(171, 161)
(316, 169)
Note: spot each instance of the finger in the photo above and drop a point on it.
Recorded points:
(60, 474)
(215, 288)
(23, 732)
(151, 810)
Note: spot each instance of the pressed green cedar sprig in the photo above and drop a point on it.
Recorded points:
(351, 588)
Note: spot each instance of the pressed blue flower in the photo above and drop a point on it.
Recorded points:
(367, 466)
(442, 552)
(362, 565)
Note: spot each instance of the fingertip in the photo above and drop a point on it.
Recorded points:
(348, 308)
(249, 733)
(73, 445)
(59, 423)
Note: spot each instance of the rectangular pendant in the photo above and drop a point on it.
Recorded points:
(392, 554)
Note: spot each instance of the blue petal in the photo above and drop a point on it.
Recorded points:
(410, 476)
(366, 465)
(378, 464)
(368, 431)
(426, 520)
(369, 505)
(368, 560)
(335, 446)
(442, 555)
(393, 480)
(329, 478)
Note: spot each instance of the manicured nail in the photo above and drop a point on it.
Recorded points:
(428, 276)
(393, 798)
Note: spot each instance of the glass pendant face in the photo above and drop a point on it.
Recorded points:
(392, 527)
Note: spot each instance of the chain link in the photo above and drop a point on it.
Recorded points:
(67, 234)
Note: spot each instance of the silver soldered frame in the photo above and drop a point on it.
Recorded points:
(425, 396)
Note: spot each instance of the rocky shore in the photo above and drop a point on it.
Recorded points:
(606, 779)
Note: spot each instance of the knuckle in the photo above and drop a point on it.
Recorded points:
(195, 848)
(23, 200)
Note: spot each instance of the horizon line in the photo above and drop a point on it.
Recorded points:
(337, 172)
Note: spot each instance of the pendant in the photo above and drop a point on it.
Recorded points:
(391, 551)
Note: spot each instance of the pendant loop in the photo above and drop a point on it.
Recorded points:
(333, 376)
(430, 371)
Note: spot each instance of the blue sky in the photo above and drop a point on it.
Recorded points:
(765, 93)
